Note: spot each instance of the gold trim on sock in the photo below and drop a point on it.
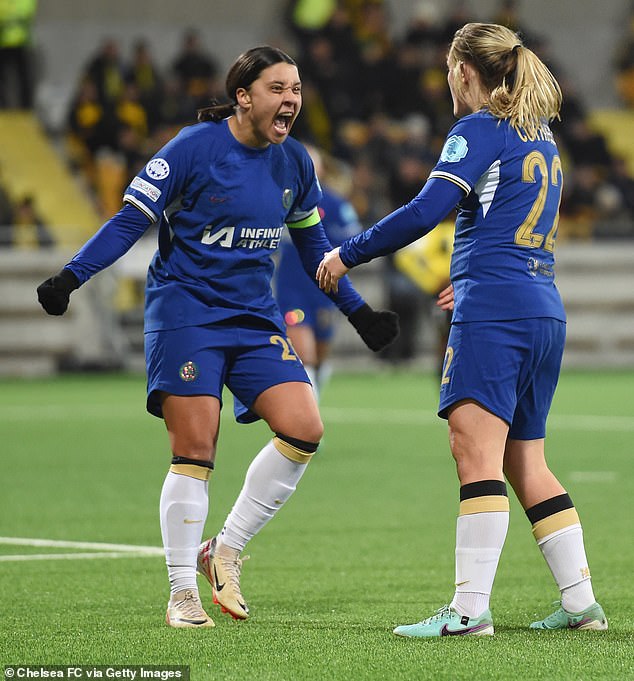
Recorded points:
(191, 470)
(290, 452)
(486, 504)
(557, 521)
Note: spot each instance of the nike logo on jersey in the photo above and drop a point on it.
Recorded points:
(217, 199)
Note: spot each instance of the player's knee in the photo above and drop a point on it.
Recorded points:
(300, 426)
(197, 449)
(300, 451)
(313, 432)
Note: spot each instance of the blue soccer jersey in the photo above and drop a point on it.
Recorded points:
(293, 286)
(508, 190)
(221, 208)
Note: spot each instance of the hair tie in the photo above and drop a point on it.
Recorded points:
(516, 47)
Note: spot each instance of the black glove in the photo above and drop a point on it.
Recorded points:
(377, 328)
(54, 293)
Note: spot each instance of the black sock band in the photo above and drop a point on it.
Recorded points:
(483, 488)
(310, 447)
(549, 507)
(176, 460)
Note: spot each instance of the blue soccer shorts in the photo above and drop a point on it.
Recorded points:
(200, 360)
(511, 368)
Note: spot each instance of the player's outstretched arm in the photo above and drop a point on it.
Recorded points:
(114, 239)
(377, 328)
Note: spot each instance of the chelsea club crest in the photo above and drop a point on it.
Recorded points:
(287, 198)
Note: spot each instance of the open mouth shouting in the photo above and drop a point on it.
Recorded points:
(283, 122)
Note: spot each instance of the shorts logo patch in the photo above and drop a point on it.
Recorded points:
(455, 149)
(158, 169)
(188, 372)
(153, 193)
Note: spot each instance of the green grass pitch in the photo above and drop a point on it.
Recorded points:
(366, 542)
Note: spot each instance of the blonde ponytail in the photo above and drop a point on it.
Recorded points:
(521, 88)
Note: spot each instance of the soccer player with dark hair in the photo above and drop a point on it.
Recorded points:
(221, 193)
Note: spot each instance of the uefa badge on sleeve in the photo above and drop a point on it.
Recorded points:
(188, 372)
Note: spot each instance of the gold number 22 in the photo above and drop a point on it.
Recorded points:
(525, 236)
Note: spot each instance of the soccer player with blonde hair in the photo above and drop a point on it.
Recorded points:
(501, 166)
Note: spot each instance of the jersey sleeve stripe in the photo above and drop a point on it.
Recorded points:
(452, 178)
(303, 220)
(133, 201)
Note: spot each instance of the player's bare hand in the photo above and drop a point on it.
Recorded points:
(330, 270)
(445, 299)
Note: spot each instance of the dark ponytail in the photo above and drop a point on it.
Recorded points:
(216, 111)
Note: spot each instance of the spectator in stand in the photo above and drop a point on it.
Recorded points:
(87, 130)
(377, 60)
(587, 147)
(28, 229)
(16, 56)
(195, 67)
(578, 204)
(143, 72)
(620, 178)
(330, 77)
(106, 71)
(174, 109)
(130, 112)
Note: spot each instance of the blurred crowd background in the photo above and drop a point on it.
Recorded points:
(376, 103)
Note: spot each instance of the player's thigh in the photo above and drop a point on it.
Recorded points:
(477, 438)
(291, 409)
(192, 424)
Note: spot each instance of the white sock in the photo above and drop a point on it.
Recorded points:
(479, 541)
(270, 481)
(323, 375)
(566, 557)
(183, 510)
